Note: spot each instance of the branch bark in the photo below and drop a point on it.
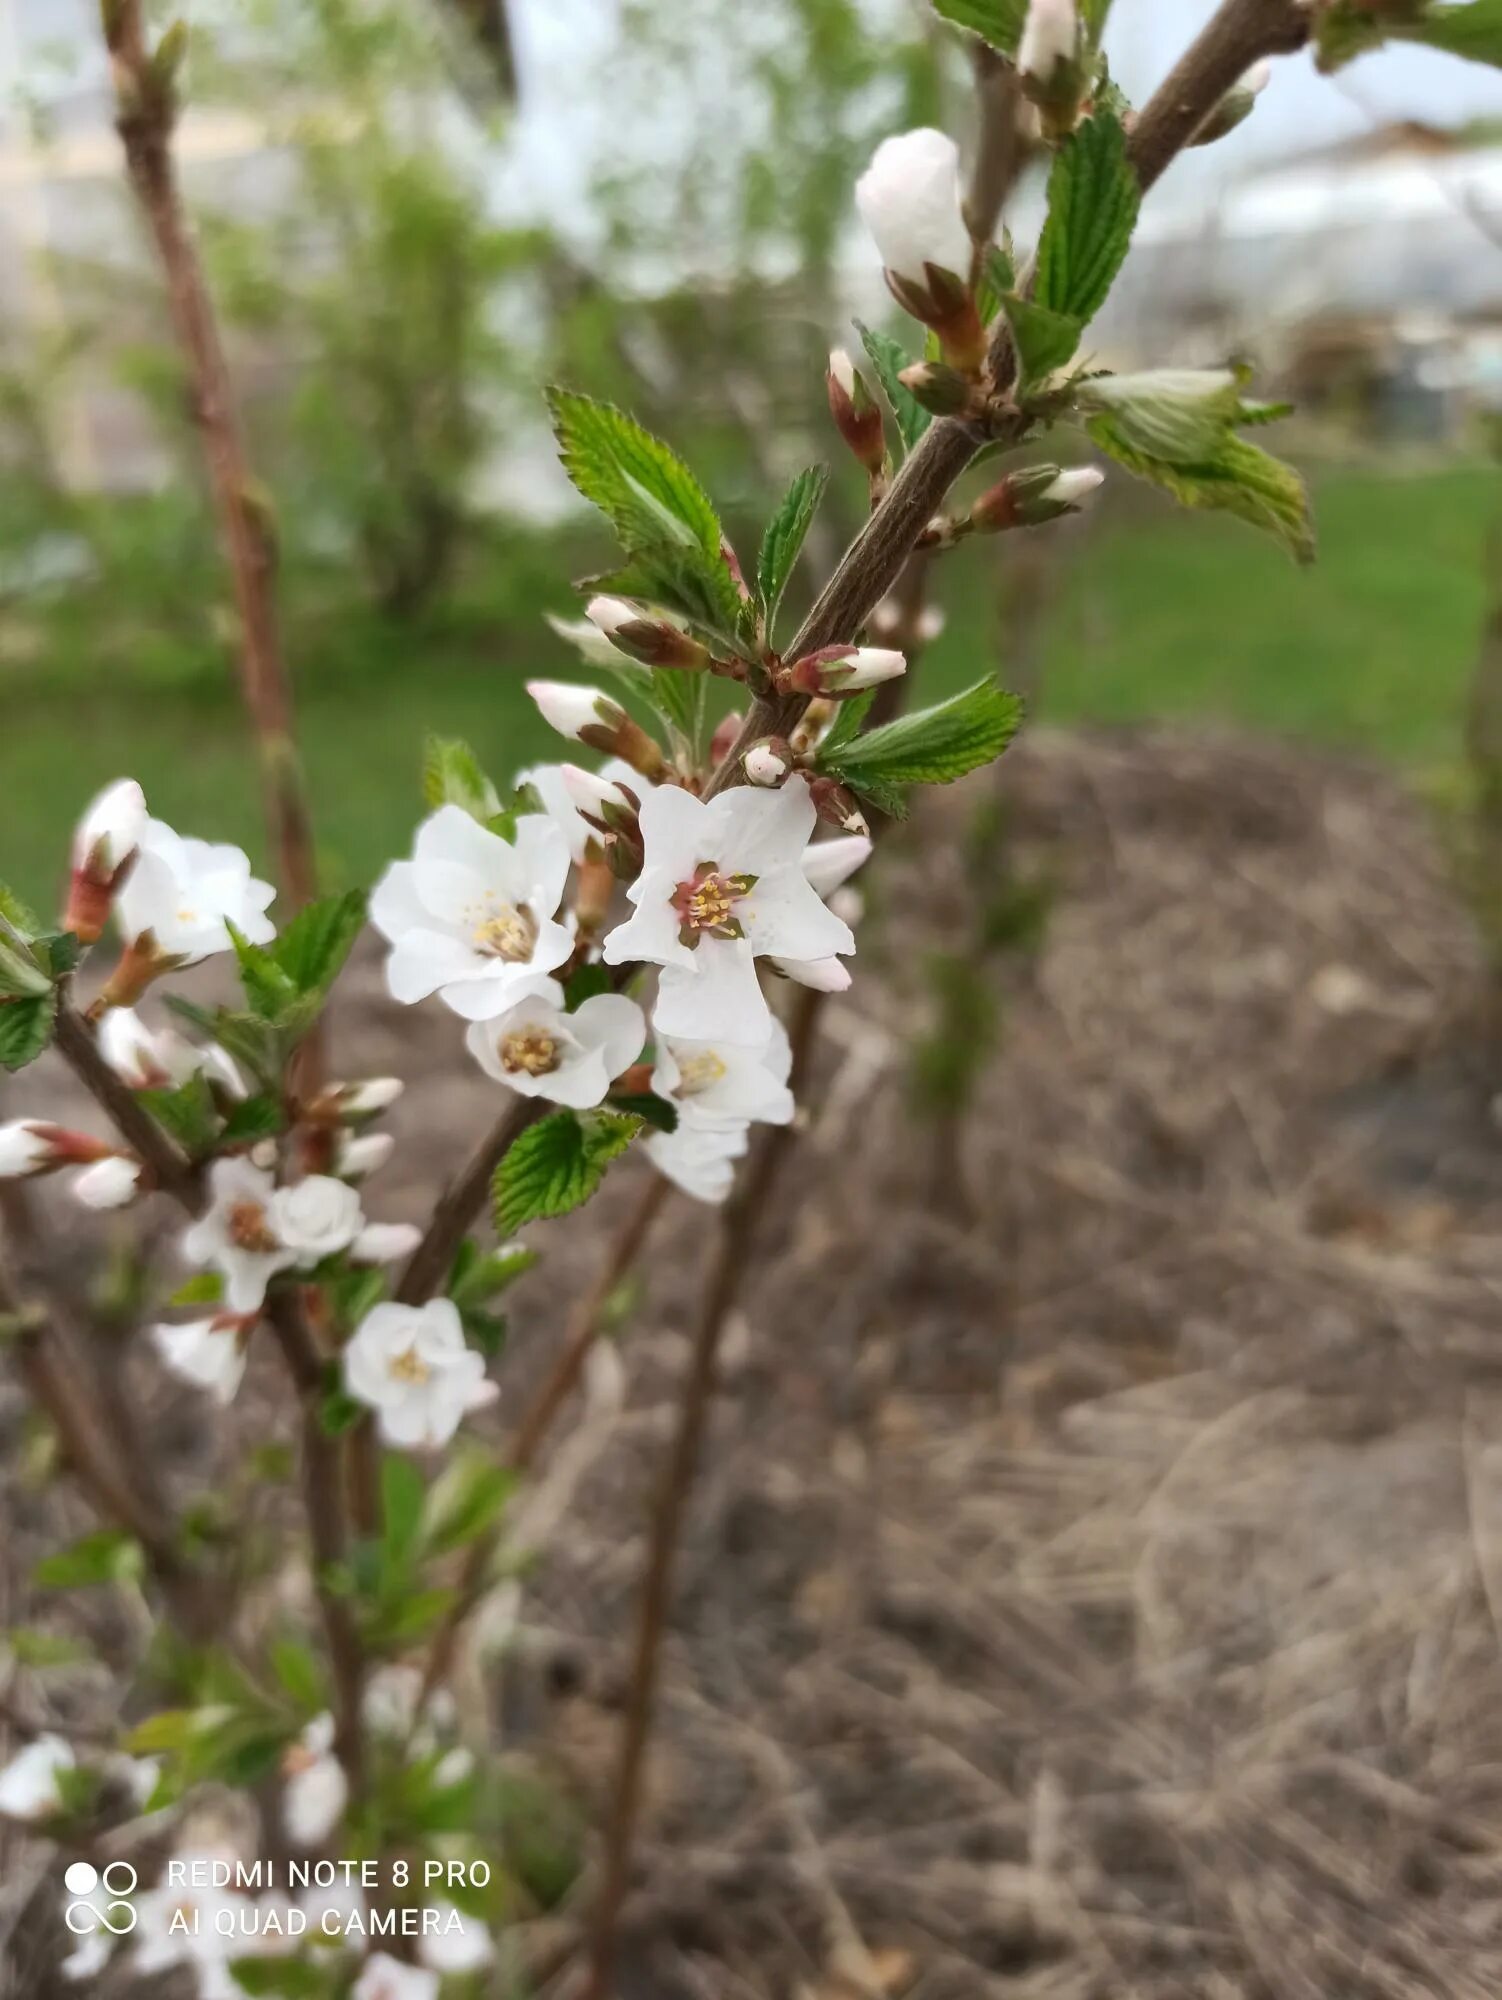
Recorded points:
(135, 1124)
(146, 113)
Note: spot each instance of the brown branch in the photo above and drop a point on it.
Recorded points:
(734, 1244)
(541, 1414)
(1240, 33)
(146, 113)
(428, 1267)
(135, 1124)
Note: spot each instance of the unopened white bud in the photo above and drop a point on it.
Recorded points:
(1050, 38)
(1257, 78)
(372, 1095)
(609, 614)
(25, 1148)
(110, 831)
(871, 666)
(571, 709)
(590, 793)
(765, 764)
(587, 640)
(842, 368)
(359, 1157)
(909, 198)
(1073, 488)
(109, 1183)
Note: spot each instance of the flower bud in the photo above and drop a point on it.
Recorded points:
(938, 387)
(33, 1146)
(590, 717)
(767, 762)
(612, 810)
(653, 641)
(836, 670)
(109, 1183)
(104, 846)
(836, 806)
(1048, 62)
(1235, 107)
(909, 199)
(1027, 499)
(359, 1157)
(857, 415)
(587, 640)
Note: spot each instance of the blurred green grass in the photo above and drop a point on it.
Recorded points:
(1154, 613)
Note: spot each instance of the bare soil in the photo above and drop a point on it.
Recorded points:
(1095, 1582)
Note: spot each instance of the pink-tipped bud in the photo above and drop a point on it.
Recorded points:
(33, 1146)
(857, 415)
(104, 846)
(1028, 499)
(938, 387)
(767, 763)
(837, 670)
(653, 641)
(836, 806)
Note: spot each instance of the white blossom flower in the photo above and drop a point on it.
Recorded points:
(357, 1159)
(721, 885)
(548, 781)
(470, 916)
(385, 1242)
(595, 791)
(389, 1705)
(317, 1217)
(185, 891)
(110, 830)
(237, 1236)
(150, 1058)
(459, 1944)
(726, 1084)
(209, 1353)
(540, 1050)
(410, 1365)
(110, 1183)
(1050, 37)
(26, 1147)
(314, 1787)
(700, 1159)
(828, 864)
(94, 1946)
(28, 1784)
(385, 1978)
(909, 198)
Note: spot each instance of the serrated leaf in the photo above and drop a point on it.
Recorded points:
(187, 1112)
(451, 775)
(889, 359)
(26, 1029)
(665, 520)
(1238, 479)
(1177, 414)
(1044, 340)
(933, 746)
(649, 1108)
(313, 947)
(998, 22)
(1093, 199)
(556, 1165)
(269, 991)
(259, 1117)
(848, 717)
(998, 277)
(783, 540)
(21, 976)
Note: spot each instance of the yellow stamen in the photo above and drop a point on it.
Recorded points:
(530, 1051)
(408, 1366)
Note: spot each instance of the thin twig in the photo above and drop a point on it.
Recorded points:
(135, 1124)
(428, 1267)
(146, 114)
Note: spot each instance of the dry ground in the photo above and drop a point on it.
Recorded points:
(1096, 1584)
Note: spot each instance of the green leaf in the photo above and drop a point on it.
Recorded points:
(932, 746)
(889, 360)
(1473, 32)
(20, 916)
(679, 699)
(269, 990)
(1178, 414)
(339, 1412)
(1347, 29)
(676, 580)
(466, 1498)
(31, 1647)
(187, 1112)
(998, 277)
(783, 540)
(296, 1667)
(585, 984)
(487, 1277)
(556, 1165)
(204, 1288)
(107, 1556)
(1093, 199)
(1045, 340)
(25, 1029)
(313, 947)
(848, 717)
(1237, 478)
(403, 1491)
(998, 22)
(253, 1118)
(451, 775)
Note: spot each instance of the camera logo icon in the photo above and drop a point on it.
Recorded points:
(87, 1913)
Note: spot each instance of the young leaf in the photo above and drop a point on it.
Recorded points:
(466, 1497)
(888, 359)
(313, 947)
(187, 1112)
(451, 775)
(998, 277)
(1178, 414)
(1473, 31)
(204, 1288)
(846, 726)
(25, 1029)
(296, 1667)
(1237, 478)
(253, 1118)
(556, 1165)
(18, 915)
(403, 1493)
(485, 1277)
(998, 22)
(932, 746)
(1093, 198)
(1044, 340)
(269, 991)
(784, 539)
(106, 1556)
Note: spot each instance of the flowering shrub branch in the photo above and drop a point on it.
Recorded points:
(614, 940)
